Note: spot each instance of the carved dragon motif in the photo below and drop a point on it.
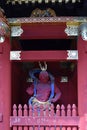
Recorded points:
(43, 13)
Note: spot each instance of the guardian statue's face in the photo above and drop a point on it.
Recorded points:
(43, 76)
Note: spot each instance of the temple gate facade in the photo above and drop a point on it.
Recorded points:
(71, 111)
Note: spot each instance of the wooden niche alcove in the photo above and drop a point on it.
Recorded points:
(54, 52)
(48, 42)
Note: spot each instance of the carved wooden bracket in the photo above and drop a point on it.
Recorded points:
(43, 13)
(16, 31)
(15, 55)
(72, 55)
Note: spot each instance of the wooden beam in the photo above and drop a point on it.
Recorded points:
(44, 31)
(44, 121)
(43, 55)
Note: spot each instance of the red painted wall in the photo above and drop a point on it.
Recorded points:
(69, 90)
(16, 82)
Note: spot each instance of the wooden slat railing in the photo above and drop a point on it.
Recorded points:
(28, 118)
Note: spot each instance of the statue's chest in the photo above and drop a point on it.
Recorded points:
(43, 87)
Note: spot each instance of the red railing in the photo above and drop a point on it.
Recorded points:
(28, 118)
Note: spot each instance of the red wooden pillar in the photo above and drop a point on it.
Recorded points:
(1, 91)
(5, 85)
(82, 82)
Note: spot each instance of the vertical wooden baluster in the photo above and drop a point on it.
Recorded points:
(15, 114)
(25, 110)
(57, 114)
(52, 110)
(36, 112)
(52, 127)
(25, 114)
(63, 114)
(74, 113)
(52, 114)
(58, 110)
(30, 110)
(69, 128)
(47, 113)
(74, 128)
(30, 115)
(62, 110)
(42, 109)
(20, 114)
(57, 128)
(47, 128)
(42, 113)
(63, 128)
(69, 114)
(69, 110)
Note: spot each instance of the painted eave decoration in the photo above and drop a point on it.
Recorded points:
(40, 1)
